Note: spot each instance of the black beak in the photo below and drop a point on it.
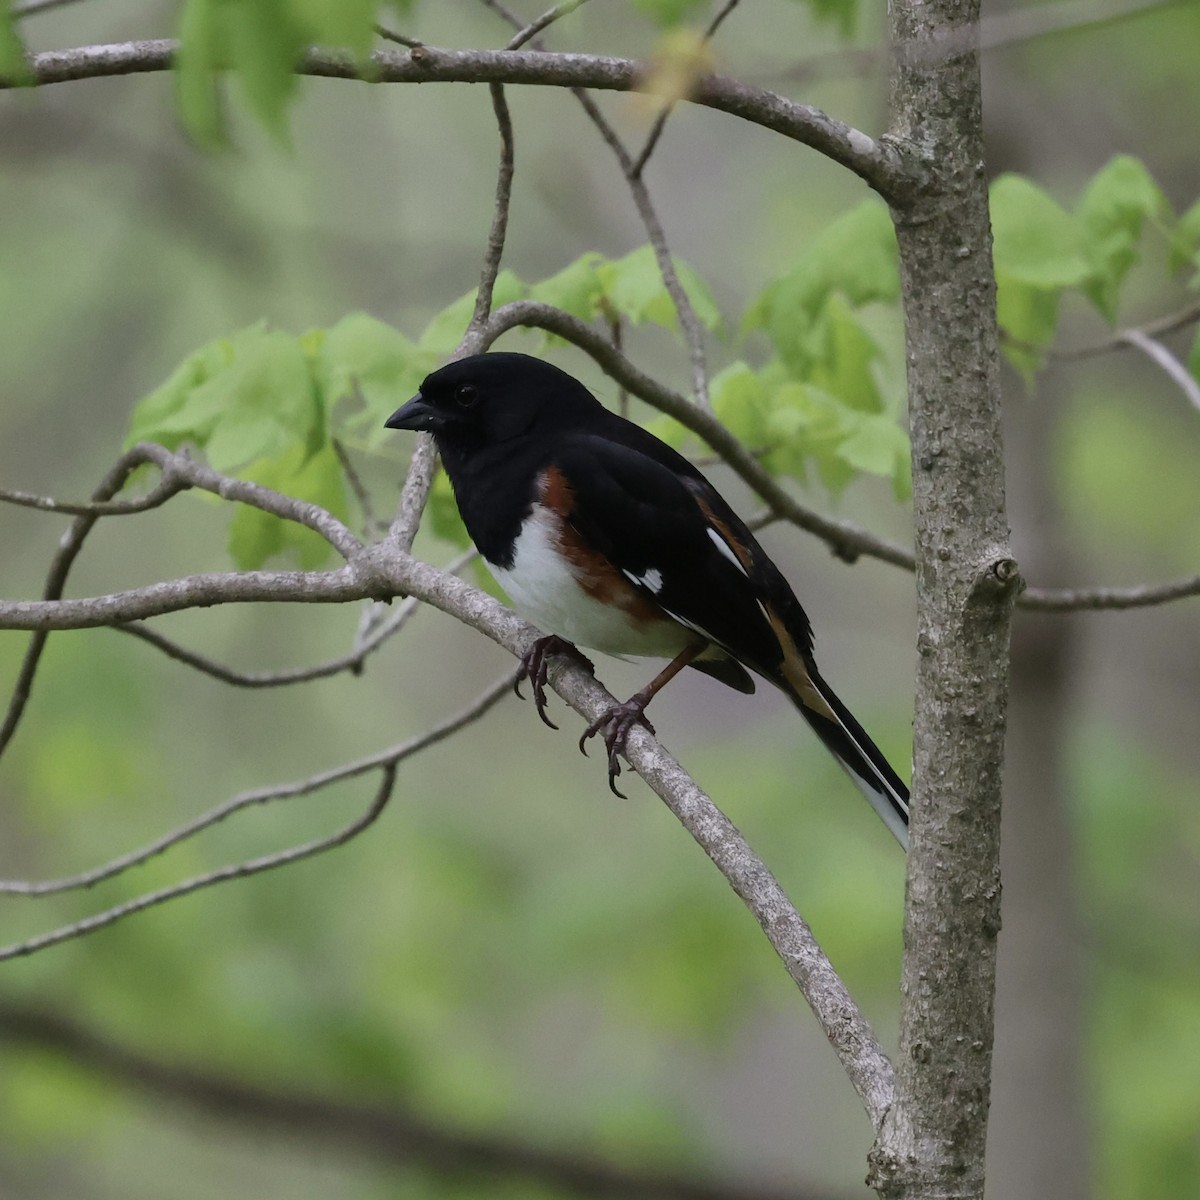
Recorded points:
(418, 414)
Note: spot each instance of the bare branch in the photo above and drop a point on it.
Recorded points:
(504, 180)
(689, 322)
(1121, 340)
(399, 38)
(1163, 358)
(162, 491)
(383, 1133)
(1077, 599)
(371, 524)
(60, 567)
(846, 540)
(878, 164)
(253, 866)
(387, 759)
(844, 1025)
(374, 635)
(535, 27)
(660, 122)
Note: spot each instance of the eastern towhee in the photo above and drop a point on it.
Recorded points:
(607, 538)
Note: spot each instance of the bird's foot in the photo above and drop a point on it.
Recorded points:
(534, 668)
(614, 726)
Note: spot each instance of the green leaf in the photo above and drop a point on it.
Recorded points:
(841, 13)
(14, 67)
(1035, 240)
(255, 536)
(348, 23)
(196, 64)
(1028, 317)
(844, 369)
(1037, 247)
(445, 330)
(855, 257)
(1185, 241)
(441, 511)
(241, 398)
(576, 289)
(873, 444)
(740, 403)
(1116, 202)
(265, 43)
(634, 286)
(669, 12)
(361, 352)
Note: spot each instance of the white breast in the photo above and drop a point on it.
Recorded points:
(545, 589)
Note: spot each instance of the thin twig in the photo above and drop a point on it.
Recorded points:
(1158, 354)
(660, 122)
(372, 526)
(535, 27)
(1063, 600)
(69, 547)
(162, 491)
(499, 229)
(692, 330)
(400, 39)
(242, 870)
(388, 759)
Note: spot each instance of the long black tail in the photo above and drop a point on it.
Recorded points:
(846, 739)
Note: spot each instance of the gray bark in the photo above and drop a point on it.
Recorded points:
(934, 1138)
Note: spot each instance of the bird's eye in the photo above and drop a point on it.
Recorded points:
(466, 394)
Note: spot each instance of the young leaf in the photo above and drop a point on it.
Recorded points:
(196, 64)
(856, 256)
(1185, 241)
(576, 289)
(445, 330)
(255, 536)
(14, 69)
(669, 12)
(240, 398)
(348, 23)
(634, 286)
(1035, 240)
(363, 352)
(1117, 200)
(264, 44)
(740, 403)
(1038, 252)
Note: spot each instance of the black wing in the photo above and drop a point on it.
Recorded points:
(663, 525)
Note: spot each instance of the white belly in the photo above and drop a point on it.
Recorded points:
(546, 590)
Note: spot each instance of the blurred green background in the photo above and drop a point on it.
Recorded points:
(511, 952)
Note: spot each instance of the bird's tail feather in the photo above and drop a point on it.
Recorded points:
(849, 743)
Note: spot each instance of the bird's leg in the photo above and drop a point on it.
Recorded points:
(533, 667)
(615, 723)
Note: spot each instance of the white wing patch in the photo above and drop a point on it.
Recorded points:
(651, 579)
(723, 547)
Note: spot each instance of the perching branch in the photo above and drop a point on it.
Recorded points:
(382, 570)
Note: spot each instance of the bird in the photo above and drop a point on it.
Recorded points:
(607, 538)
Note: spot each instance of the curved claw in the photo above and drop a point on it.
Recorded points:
(534, 668)
(614, 725)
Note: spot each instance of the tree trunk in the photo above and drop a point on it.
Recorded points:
(933, 1140)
